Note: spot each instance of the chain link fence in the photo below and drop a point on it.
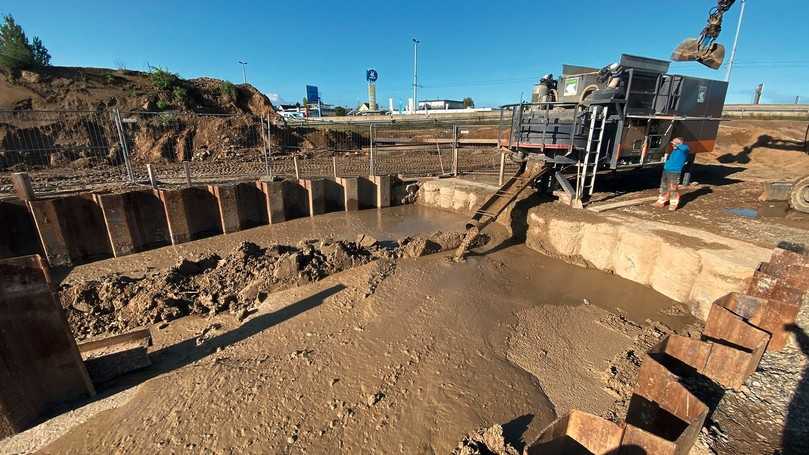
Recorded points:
(94, 150)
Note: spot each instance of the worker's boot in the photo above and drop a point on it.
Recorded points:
(661, 200)
(675, 202)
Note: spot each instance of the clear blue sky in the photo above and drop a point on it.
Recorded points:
(488, 50)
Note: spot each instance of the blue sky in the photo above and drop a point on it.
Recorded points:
(491, 50)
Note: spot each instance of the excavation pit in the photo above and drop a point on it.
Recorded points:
(435, 343)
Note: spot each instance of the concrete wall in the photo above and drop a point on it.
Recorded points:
(688, 265)
(40, 365)
(81, 228)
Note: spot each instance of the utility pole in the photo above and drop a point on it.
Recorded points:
(735, 43)
(244, 73)
(415, 75)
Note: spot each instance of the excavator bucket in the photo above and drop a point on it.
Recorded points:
(691, 51)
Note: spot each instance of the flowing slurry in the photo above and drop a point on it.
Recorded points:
(435, 351)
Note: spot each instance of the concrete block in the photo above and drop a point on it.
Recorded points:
(578, 433)
(429, 194)
(636, 254)
(315, 196)
(769, 315)
(41, 366)
(351, 197)
(674, 271)
(274, 200)
(18, 232)
(563, 236)
(446, 195)
(460, 201)
(598, 244)
(722, 272)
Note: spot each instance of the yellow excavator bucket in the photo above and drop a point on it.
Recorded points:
(690, 50)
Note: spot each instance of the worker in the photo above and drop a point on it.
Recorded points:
(612, 75)
(543, 93)
(672, 170)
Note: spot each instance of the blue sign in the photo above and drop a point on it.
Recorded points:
(311, 94)
(371, 75)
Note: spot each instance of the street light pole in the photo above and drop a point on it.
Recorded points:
(244, 73)
(735, 43)
(415, 75)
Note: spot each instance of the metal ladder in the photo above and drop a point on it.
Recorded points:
(589, 168)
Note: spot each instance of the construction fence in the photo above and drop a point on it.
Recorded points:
(87, 150)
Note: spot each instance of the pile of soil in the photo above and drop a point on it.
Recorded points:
(764, 149)
(236, 283)
(87, 131)
(485, 441)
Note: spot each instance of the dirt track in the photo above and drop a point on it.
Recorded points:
(438, 350)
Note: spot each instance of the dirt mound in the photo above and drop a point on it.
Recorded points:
(98, 89)
(485, 441)
(235, 283)
(766, 149)
(234, 116)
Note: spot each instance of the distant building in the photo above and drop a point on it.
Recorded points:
(434, 105)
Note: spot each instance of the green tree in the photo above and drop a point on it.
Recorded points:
(41, 55)
(15, 52)
(340, 111)
(468, 102)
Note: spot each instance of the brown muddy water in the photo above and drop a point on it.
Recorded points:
(508, 337)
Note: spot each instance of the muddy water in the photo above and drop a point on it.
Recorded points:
(439, 350)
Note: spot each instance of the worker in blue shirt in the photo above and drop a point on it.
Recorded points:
(672, 170)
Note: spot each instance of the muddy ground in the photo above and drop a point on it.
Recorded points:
(437, 350)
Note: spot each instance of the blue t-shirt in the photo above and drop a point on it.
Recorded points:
(677, 159)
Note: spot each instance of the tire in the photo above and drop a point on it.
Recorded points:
(799, 198)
